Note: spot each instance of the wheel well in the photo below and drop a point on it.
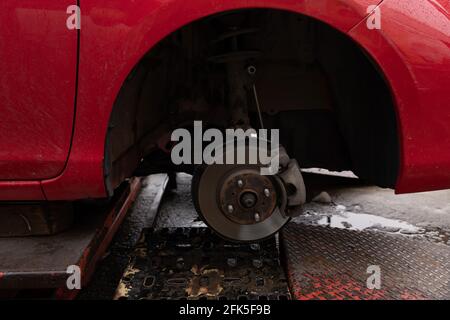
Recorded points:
(329, 100)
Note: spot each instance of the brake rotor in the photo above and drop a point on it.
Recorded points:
(239, 203)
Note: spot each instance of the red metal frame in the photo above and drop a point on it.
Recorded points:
(93, 254)
(98, 235)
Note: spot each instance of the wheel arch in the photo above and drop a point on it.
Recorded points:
(85, 173)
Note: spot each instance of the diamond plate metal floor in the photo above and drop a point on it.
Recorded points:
(319, 262)
(193, 263)
(327, 263)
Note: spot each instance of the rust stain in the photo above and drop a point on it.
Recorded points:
(206, 282)
(125, 286)
(122, 291)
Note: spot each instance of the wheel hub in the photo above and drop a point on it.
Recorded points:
(248, 199)
(242, 196)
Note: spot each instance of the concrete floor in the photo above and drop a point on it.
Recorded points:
(357, 206)
(341, 202)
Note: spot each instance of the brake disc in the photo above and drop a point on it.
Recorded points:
(232, 202)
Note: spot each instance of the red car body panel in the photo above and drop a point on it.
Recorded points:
(412, 50)
(38, 64)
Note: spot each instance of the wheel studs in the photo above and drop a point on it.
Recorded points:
(240, 183)
(230, 208)
(257, 217)
(267, 192)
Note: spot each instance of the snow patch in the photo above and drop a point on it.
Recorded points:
(345, 174)
(362, 221)
(323, 197)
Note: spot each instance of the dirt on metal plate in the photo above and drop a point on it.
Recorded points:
(193, 263)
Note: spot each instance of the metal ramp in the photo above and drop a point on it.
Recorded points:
(194, 264)
(328, 263)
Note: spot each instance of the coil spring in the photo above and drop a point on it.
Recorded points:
(231, 42)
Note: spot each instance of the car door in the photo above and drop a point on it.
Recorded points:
(38, 61)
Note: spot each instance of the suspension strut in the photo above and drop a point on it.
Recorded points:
(239, 81)
(237, 201)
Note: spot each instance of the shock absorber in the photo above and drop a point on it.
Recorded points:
(237, 200)
(236, 57)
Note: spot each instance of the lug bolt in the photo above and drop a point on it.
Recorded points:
(230, 208)
(267, 192)
(257, 217)
(240, 183)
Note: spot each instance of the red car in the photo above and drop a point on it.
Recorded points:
(361, 85)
